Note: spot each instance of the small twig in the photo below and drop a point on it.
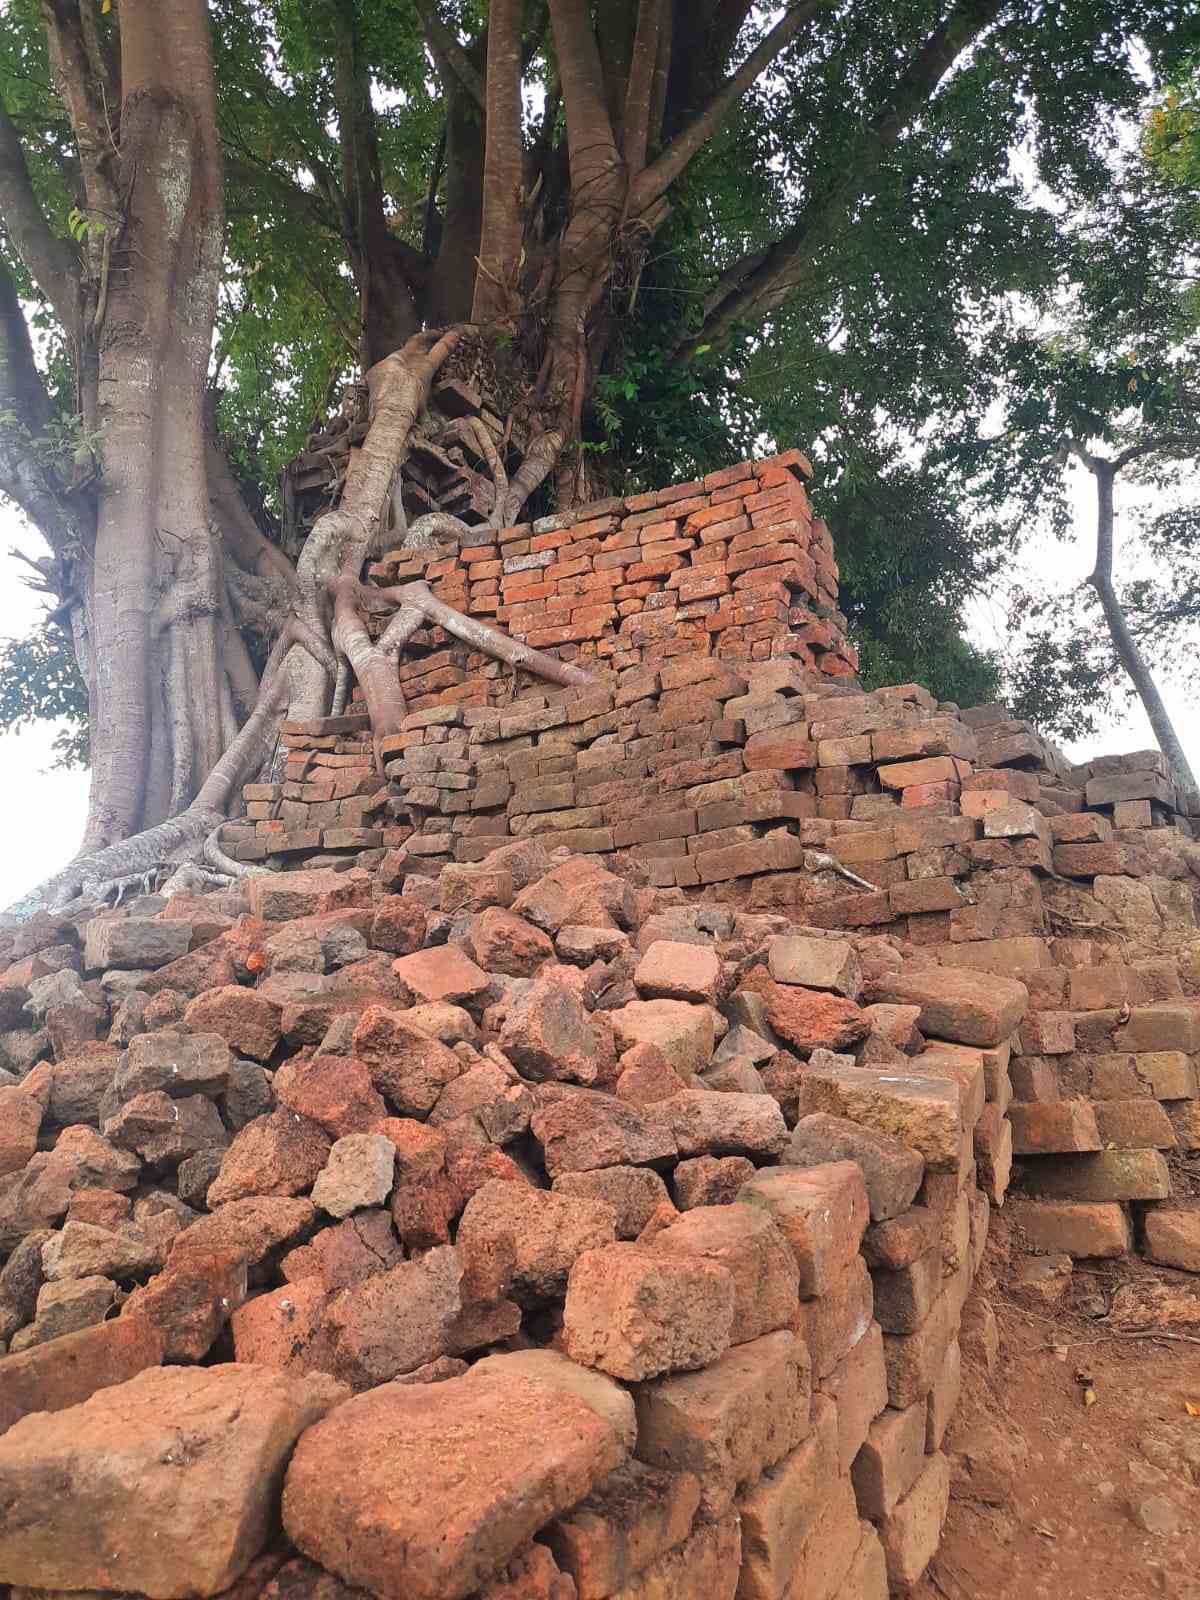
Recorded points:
(1108, 1338)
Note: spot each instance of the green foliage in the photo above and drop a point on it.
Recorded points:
(40, 682)
(909, 564)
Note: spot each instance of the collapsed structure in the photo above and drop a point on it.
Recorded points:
(568, 1178)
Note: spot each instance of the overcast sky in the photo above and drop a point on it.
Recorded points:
(42, 810)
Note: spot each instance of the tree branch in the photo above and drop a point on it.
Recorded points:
(762, 281)
(503, 166)
(25, 477)
(50, 261)
(443, 43)
(590, 140)
(639, 91)
(660, 174)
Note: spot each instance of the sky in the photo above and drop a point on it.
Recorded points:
(42, 810)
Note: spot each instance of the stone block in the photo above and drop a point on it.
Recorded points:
(858, 1387)
(547, 1033)
(943, 1399)
(826, 1556)
(833, 1323)
(811, 1019)
(730, 1422)
(588, 1131)
(891, 1459)
(1164, 1026)
(133, 942)
(1134, 1124)
(1054, 1127)
(277, 1154)
(867, 1578)
(891, 1169)
(359, 1173)
(718, 1123)
(782, 1508)
(200, 1451)
(1107, 1175)
(746, 1242)
(899, 1241)
(822, 1212)
(911, 1534)
(922, 1112)
(993, 1145)
(555, 1371)
(1048, 1033)
(407, 1066)
(706, 1563)
(904, 1296)
(914, 1361)
(956, 1004)
(541, 1235)
(1168, 1074)
(816, 964)
(68, 1370)
(710, 1180)
(674, 971)
(685, 1033)
(249, 1022)
(439, 1485)
(637, 1312)
(636, 1515)
(443, 972)
(1171, 1235)
(634, 1193)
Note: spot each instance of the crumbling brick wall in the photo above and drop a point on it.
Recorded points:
(716, 753)
(569, 1183)
(526, 1234)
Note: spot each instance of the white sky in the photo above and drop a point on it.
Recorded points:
(42, 811)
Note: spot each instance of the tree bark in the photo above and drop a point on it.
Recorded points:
(154, 595)
(503, 168)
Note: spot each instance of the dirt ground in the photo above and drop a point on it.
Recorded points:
(1060, 1496)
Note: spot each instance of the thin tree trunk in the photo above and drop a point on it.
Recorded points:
(1126, 646)
(503, 167)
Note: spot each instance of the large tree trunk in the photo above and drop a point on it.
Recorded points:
(154, 586)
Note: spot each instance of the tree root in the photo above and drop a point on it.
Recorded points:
(324, 642)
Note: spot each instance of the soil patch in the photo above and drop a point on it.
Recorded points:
(1063, 1496)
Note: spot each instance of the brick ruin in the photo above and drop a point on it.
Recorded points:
(567, 1178)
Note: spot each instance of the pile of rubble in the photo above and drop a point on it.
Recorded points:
(527, 1234)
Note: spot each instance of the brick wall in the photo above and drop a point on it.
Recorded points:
(751, 767)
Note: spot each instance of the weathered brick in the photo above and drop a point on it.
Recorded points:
(1106, 1175)
(890, 1460)
(631, 1519)
(1078, 1228)
(730, 1422)
(781, 1510)
(1049, 1128)
(910, 1535)
(858, 1387)
(822, 1212)
(747, 1243)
